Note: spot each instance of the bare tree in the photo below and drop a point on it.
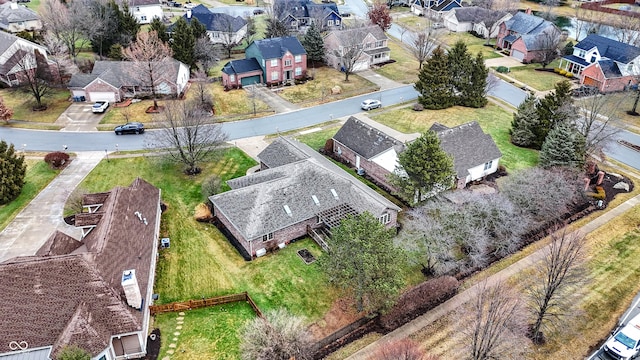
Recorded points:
(548, 45)
(559, 278)
(598, 121)
(150, 57)
(59, 55)
(351, 51)
(404, 349)
(34, 74)
(100, 20)
(204, 97)
(493, 324)
(6, 113)
(423, 44)
(504, 5)
(228, 36)
(626, 30)
(205, 53)
(548, 7)
(188, 134)
(279, 335)
(65, 23)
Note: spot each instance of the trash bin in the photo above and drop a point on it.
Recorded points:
(82, 98)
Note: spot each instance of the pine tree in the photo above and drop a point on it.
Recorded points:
(424, 167)
(564, 146)
(197, 28)
(128, 25)
(313, 44)
(160, 28)
(459, 68)
(434, 83)
(474, 95)
(524, 120)
(13, 170)
(183, 43)
(554, 108)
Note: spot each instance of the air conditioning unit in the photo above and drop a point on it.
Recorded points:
(282, 245)
(360, 172)
(165, 243)
(261, 252)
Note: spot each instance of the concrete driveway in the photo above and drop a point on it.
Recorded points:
(78, 117)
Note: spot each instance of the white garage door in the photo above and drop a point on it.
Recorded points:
(517, 54)
(78, 93)
(360, 66)
(102, 96)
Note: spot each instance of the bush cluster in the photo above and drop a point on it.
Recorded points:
(56, 159)
(418, 300)
(502, 69)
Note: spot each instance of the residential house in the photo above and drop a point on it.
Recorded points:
(116, 80)
(15, 18)
(299, 14)
(434, 9)
(606, 64)
(278, 60)
(94, 292)
(222, 28)
(485, 22)
(527, 36)
(475, 154)
(371, 39)
(370, 150)
(297, 190)
(145, 10)
(18, 55)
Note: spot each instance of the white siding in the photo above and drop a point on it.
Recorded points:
(479, 172)
(387, 160)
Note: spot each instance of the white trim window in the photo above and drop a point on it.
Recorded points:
(385, 219)
(298, 58)
(274, 62)
(267, 237)
(337, 22)
(298, 71)
(232, 78)
(330, 23)
(274, 75)
(287, 62)
(488, 165)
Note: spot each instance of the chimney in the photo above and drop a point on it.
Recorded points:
(528, 11)
(131, 289)
(188, 13)
(13, 6)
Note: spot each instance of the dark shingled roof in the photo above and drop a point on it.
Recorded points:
(363, 139)
(275, 48)
(241, 66)
(530, 28)
(11, 12)
(58, 243)
(469, 146)
(576, 60)
(78, 298)
(610, 48)
(257, 207)
(214, 21)
(610, 69)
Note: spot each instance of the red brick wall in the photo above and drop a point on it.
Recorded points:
(605, 85)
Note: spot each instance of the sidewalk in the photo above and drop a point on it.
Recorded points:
(33, 225)
(455, 302)
(273, 100)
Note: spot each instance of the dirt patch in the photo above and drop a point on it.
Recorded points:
(341, 314)
(153, 345)
(306, 256)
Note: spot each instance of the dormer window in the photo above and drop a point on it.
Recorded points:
(630, 66)
(582, 54)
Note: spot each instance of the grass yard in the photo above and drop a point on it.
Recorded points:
(38, 176)
(22, 104)
(317, 139)
(405, 69)
(474, 44)
(207, 333)
(618, 104)
(539, 80)
(493, 119)
(318, 90)
(414, 23)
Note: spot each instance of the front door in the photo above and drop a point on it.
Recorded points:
(287, 75)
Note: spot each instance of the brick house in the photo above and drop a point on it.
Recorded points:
(371, 39)
(116, 80)
(280, 60)
(93, 292)
(298, 15)
(18, 55)
(527, 36)
(296, 191)
(606, 64)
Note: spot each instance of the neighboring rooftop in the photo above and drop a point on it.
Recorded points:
(364, 139)
(609, 48)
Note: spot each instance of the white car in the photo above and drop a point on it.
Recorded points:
(190, 5)
(370, 104)
(625, 344)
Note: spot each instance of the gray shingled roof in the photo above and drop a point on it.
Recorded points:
(531, 29)
(280, 153)
(357, 35)
(275, 48)
(469, 146)
(6, 40)
(610, 48)
(11, 12)
(257, 208)
(119, 74)
(477, 14)
(363, 139)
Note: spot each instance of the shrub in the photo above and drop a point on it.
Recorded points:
(562, 72)
(56, 159)
(502, 69)
(569, 75)
(418, 107)
(419, 299)
(557, 70)
(210, 186)
(12, 170)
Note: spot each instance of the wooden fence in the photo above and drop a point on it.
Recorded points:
(200, 303)
(598, 6)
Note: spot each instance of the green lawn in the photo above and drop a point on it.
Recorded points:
(539, 80)
(318, 90)
(493, 119)
(38, 176)
(23, 102)
(207, 333)
(474, 44)
(620, 103)
(404, 69)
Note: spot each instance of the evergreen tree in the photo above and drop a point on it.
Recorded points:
(474, 93)
(434, 82)
(275, 28)
(459, 67)
(160, 28)
(424, 167)
(313, 44)
(555, 107)
(128, 25)
(197, 28)
(524, 121)
(183, 44)
(564, 146)
(13, 170)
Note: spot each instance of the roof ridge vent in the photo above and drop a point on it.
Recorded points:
(334, 193)
(315, 200)
(287, 210)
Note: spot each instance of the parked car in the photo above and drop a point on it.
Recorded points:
(190, 5)
(100, 106)
(625, 343)
(370, 104)
(258, 12)
(129, 128)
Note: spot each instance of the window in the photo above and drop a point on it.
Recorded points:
(298, 58)
(337, 22)
(368, 45)
(384, 219)
(274, 75)
(630, 66)
(582, 54)
(298, 71)
(143, 18)
(330, 22)
(267, 237)
(262, 62)
(274, 62)
(294, 23)
(380, 43)
(488, 165)
(232, 77)
(138, 8)
(287, 62)
(593, 59)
